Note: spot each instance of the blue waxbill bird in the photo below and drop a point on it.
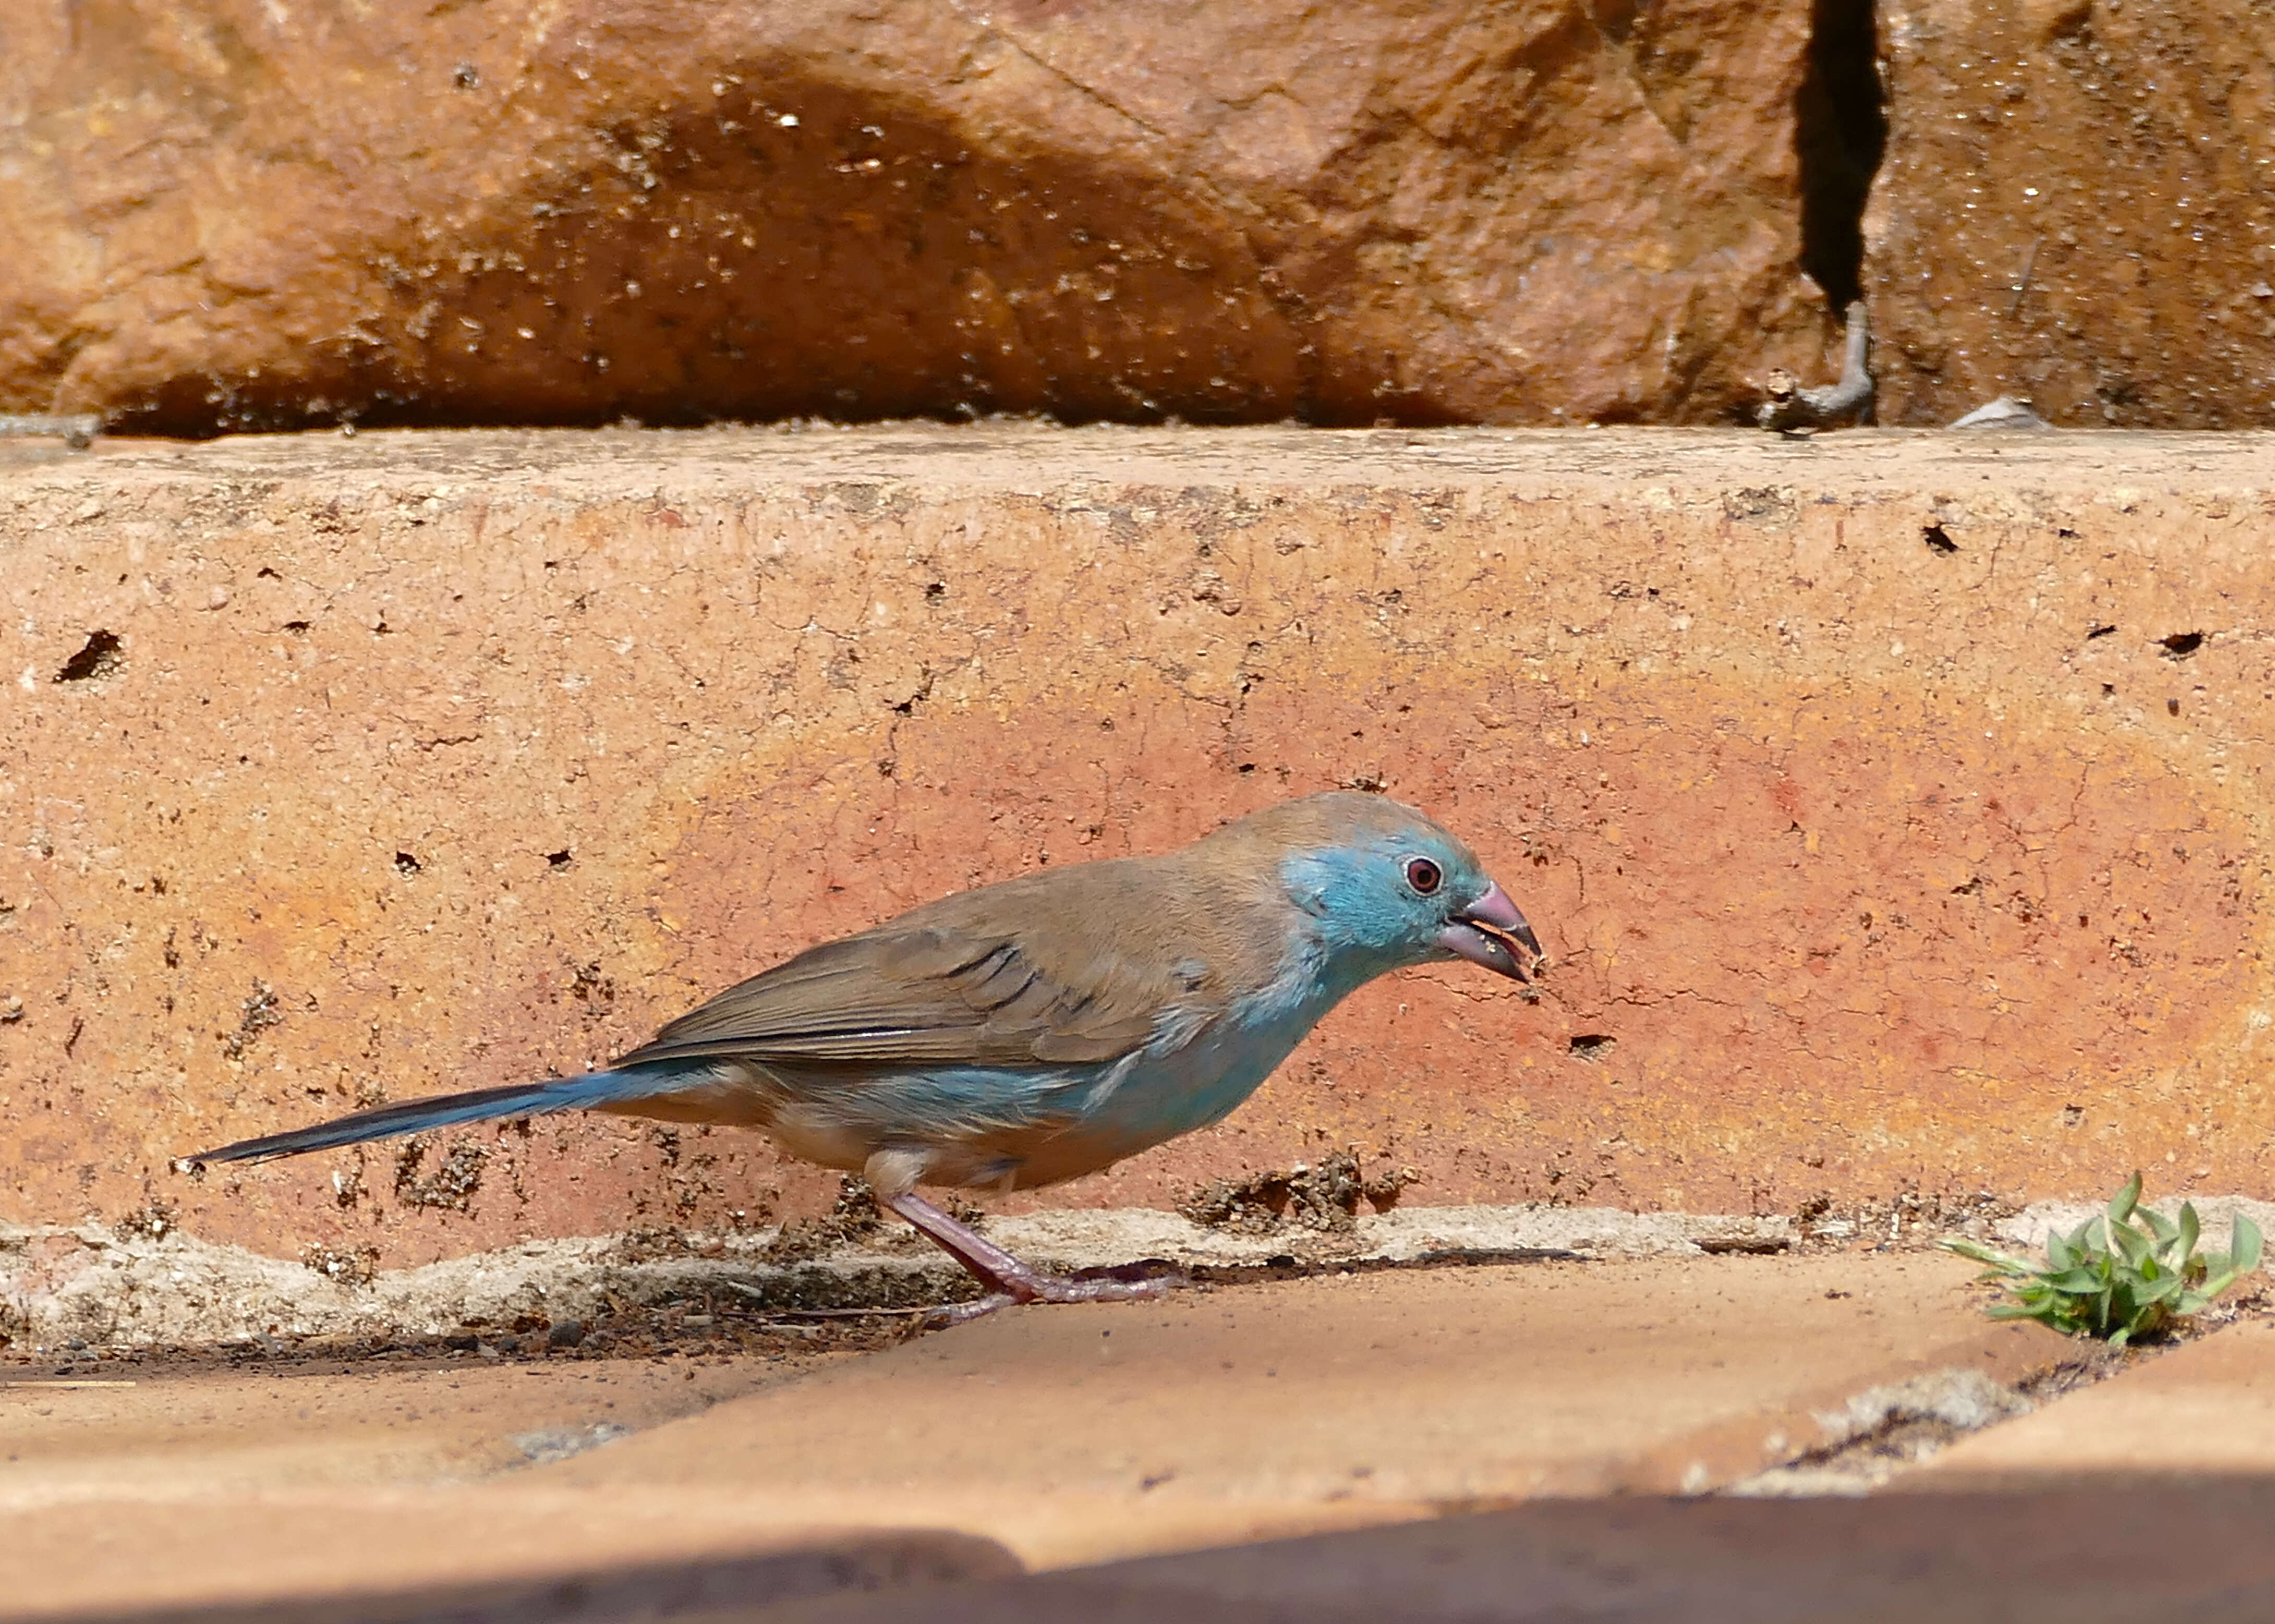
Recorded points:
(1044, 1027)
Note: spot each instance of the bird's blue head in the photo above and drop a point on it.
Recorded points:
(1388, 888)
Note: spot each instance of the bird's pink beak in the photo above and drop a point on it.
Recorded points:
(1498, 917)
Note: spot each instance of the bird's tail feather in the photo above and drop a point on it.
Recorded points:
(481, 1105)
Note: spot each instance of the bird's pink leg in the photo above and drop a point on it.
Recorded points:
(1007, 1279)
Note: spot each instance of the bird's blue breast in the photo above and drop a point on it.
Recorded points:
(1056, 1123)
(1172, 1089)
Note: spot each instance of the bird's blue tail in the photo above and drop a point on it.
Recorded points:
(481, 1105)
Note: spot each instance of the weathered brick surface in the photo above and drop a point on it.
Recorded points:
(1894, 804)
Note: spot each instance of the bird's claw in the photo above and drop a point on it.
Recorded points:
(1049, 1288)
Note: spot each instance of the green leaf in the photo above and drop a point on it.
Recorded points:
(2127, 1283)
(2213, 1285)
(2158, 1290)
(2016, 1311)
(2162, 1228)
(2246, 1246)
(2006, 1261)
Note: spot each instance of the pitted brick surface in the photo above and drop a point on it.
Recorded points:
(432, 761)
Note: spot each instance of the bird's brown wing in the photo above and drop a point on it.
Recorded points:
(1016, 975)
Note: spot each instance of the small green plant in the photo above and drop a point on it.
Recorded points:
(2143, 1276)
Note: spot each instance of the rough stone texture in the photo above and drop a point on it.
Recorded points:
(2077, 205)
(379, 1493)
(1419, 211)
(167, 1431)
(2204, 1411)
(1893, 805)
(1213, 1417)
(384, 1491)
(96, 1284)
(1059, 1435)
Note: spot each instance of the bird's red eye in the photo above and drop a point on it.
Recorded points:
(1424, 875)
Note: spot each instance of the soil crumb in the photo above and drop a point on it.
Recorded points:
(1325, 1196)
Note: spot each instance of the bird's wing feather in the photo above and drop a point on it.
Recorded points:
(1065, 966)
(915, 997)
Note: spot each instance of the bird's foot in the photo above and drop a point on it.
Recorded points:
(1007, 1279)
(1034, 1287)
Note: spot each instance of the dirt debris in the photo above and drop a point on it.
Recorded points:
(257, 1014)
(1906, 1218)
(708, 1327)
(1325, 1196)
(355, 1266)
(149, 1221)
(853, 1217)
(450, 1187)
